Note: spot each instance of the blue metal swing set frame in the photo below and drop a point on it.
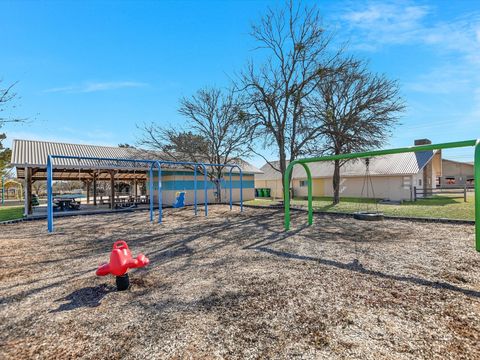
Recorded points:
(152, 164)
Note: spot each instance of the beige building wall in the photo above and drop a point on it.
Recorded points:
(456, 169)
(385, 187)
(302, 191)
(275, 187)
(456, 174)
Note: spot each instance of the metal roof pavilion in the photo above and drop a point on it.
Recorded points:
(33, 154)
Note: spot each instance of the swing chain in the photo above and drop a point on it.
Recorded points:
(367, 184)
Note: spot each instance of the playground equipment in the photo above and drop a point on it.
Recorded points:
(179, 199)
(364, 211)
(11, 186)
(368, 154)
(120, 261)
(112, 163)
(204, 166)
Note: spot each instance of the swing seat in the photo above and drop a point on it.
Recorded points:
(179, 199)
(368, 215)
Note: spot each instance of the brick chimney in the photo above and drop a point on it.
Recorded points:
(422, 142)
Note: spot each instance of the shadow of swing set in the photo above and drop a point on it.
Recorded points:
(366, 155)
(152, 166)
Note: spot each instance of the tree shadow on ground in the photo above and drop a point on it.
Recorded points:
(163, 245)
(25, 293)
(357, 267)
(87, 297)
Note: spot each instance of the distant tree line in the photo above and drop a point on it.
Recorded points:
(308, 98)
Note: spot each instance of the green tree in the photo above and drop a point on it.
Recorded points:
(5, 156)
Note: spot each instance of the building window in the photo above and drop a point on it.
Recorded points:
(419, 182)
(303, 183)
(450, 180)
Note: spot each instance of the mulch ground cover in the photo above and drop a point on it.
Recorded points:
(235, 285)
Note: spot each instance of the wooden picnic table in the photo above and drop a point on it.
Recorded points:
(64, 204)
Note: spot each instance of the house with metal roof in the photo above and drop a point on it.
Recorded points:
(393, 176)
(30, 160)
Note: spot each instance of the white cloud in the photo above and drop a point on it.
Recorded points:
(379, 24)
(451, 78)
(386, 23)
(89, 87)
(455, 42)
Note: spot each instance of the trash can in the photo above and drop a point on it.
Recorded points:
(267, 193)
(256, 193)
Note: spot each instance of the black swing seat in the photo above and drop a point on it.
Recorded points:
(368, 215)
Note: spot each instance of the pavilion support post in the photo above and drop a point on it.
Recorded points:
(112, 190)
(25, 193)
(95, 188)
(135, 188)
(87, 183)
(28, 191)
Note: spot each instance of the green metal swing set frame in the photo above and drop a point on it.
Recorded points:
(367, 154)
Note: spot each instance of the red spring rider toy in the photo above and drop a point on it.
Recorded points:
(120, 261)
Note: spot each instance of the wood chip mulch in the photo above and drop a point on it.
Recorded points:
(235, 285)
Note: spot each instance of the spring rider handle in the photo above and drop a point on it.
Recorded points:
(119, 244)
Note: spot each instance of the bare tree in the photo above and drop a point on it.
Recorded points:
(356, 110)
(219, 132)
(174, 144)
(8, 103)
(8, 98)
(299, 57)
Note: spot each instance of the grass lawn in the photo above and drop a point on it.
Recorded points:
(11, 212)
(441, 206)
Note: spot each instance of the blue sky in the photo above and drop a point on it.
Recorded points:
(89, 71)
